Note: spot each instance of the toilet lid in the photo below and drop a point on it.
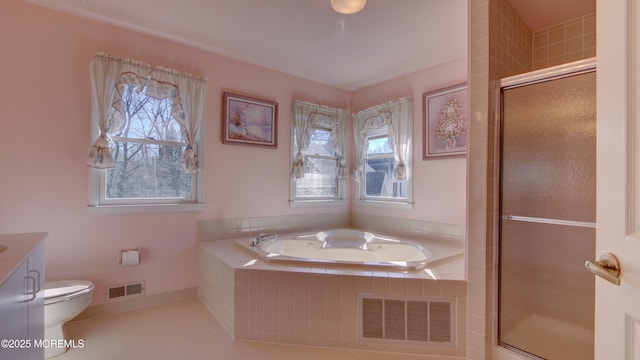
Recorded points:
(53, 289)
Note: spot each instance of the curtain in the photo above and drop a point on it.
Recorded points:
(110, 75)
(402, 124)
(302, 126)
(192, 91)
(105, 74)
(306, 117)
(337, 139)
(394, 119)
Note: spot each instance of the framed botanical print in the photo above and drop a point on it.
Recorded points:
(445, 122)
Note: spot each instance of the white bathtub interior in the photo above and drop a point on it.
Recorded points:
(350, 247)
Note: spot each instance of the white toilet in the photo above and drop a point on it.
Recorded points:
(63, 300)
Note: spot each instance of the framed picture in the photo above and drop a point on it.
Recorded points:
(250, 121)
(445, 122)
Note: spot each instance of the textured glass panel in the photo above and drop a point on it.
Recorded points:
(548, 172)
(547, 297)
(549, 149)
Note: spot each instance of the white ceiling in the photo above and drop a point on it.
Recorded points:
(307, 38)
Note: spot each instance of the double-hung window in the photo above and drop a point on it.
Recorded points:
(320, 180)
(380, 177)
(319, 167)
(147, 125)
(147, 153)
(383, 139)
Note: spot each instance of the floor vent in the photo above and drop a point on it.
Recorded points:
(119, 292)
(427, 321)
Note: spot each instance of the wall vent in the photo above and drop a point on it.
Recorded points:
(420, 320)
(119, 292)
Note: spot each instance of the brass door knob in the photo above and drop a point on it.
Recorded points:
(608, 268)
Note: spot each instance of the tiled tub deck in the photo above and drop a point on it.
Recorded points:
(319, 305)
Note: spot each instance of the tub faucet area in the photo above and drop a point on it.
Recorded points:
(260, 238)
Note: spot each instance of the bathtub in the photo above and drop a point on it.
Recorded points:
(349, 247)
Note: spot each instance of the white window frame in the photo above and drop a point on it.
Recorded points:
(99, 204)
(296, 201)
(379, 201)
(97, 186)
(341, 197)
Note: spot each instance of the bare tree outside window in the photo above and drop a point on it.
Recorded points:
(147, 151)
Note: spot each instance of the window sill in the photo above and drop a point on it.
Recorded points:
(385, 204)
(147, 208)
(311, 203)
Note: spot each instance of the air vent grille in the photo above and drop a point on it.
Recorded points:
(425, 320)
(118, 292)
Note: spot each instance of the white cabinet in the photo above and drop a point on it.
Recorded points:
(14, 315)
(35, 302)
(22, 297)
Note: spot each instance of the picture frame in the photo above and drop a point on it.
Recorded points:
(249, 121)
(445, 122)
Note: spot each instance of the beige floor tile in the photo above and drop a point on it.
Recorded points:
(186, 330)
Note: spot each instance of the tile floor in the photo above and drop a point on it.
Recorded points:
(186, 330)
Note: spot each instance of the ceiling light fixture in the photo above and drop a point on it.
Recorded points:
(348, 6)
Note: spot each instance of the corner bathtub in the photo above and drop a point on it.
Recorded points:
(350, 247)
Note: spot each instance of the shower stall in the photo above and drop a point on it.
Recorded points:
(547, 212)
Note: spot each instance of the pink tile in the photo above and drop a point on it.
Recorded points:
(397, 287)
(285, 294)
(255, 277)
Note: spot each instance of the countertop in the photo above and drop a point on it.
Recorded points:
(19, 246)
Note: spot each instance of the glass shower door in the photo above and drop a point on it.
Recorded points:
(547, 217)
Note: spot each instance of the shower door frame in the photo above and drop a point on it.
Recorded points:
(503, 351)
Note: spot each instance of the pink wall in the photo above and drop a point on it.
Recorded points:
(439, 186)
(44, 143)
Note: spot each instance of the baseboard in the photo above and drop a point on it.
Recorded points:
(137, 303)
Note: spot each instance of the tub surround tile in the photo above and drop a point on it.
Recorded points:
(317, 305)
(290, 304)
(222, 229)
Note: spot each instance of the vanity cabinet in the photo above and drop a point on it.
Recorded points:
(22, 297)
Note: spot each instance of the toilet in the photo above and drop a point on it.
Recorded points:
(63, 300)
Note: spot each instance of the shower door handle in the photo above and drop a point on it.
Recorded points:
(608, 268)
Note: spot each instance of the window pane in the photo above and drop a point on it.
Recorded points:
(147, 171)
(380, 175)
(320, 178)
(380, 179)
(319, 144)
(148, 117)
(379, 146)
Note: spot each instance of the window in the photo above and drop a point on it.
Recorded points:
(147, 121)
(147, 153)
(320, 180)
(319, 169)
(380, 177)
(383, 154)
